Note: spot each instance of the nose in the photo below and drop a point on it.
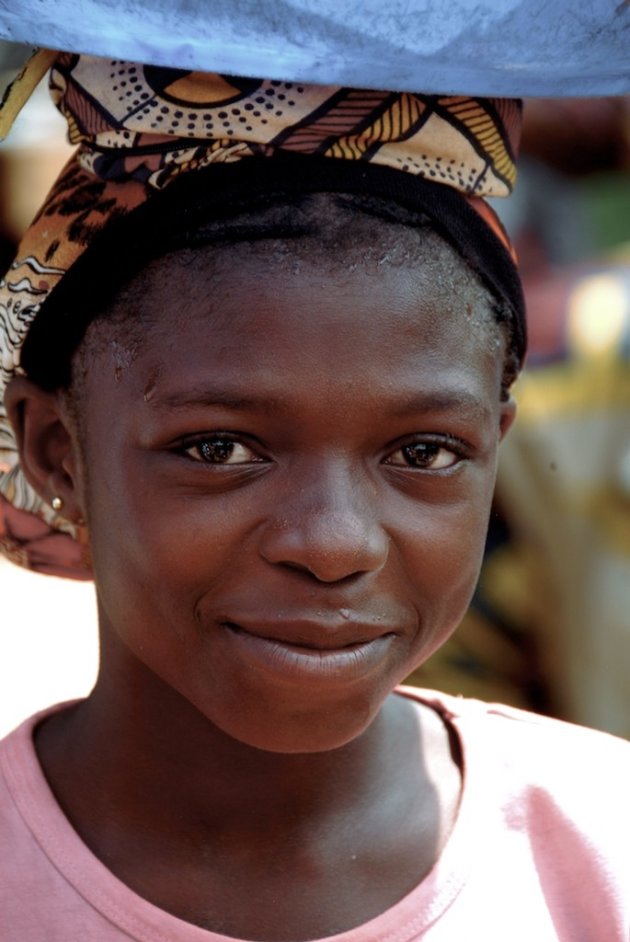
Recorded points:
(328, 527)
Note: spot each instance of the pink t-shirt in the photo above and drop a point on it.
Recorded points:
(540, 850)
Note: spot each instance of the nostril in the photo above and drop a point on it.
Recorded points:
(326, 544)
(322, 573)
(298, 567)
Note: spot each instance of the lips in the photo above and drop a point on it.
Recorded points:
(307, 651)
(314, 634)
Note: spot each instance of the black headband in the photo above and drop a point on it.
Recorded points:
(131, 241)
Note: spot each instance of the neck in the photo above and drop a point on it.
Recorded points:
(137, 746)
(184, 814)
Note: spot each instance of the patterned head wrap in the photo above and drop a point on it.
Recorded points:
(139, 128)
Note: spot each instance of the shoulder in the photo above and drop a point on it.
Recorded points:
(20, 772)
(541, 769)
(20, 806)
(514, 729)
(543, 819)
(550, 748)
(23, 787)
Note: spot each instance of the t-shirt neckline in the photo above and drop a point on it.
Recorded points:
(145, 922)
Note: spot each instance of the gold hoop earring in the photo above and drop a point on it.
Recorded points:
(57, 503)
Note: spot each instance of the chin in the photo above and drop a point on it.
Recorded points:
(287, 742)
(302, 730)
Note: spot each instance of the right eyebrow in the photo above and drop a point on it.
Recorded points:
(461, 400)
(205, 397)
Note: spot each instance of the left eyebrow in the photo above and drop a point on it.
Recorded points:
(460, 401)
(202, 397)
(447, 401)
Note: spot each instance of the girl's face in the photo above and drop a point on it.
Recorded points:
(288, 483)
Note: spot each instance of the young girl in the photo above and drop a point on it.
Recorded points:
(260, 375)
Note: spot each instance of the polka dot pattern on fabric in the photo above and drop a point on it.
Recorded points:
(140, 127)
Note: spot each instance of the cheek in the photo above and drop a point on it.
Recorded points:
(162, 556)
(158, 553)
(443, 554)
(149, 584)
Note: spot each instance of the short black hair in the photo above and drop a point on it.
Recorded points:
(189, 214)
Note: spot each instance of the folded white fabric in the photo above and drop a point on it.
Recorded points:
(507, 48)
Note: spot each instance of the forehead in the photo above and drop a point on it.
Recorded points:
(285, 316)
(355, 251)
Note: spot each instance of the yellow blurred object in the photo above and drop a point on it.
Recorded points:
(30, 161)
(20, 89)
(597, 315)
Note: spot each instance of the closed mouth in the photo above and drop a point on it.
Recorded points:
(315, 637)
(289, 657)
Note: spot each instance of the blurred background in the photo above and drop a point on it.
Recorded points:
(549, 628)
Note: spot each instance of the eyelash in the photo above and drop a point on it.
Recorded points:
(222, 440)
(424, 450)
(456, 448)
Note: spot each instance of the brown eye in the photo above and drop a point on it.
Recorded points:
(427, 456)
(220, 450)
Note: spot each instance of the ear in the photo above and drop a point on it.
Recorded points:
(47, 444)
(507, 416)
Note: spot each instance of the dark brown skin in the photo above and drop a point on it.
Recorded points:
(242, 762)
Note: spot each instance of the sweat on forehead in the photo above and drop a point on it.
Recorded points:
(260, 319)
(321, 228)
(323, 233)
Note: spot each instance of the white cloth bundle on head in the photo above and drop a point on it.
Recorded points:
(506, 48)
